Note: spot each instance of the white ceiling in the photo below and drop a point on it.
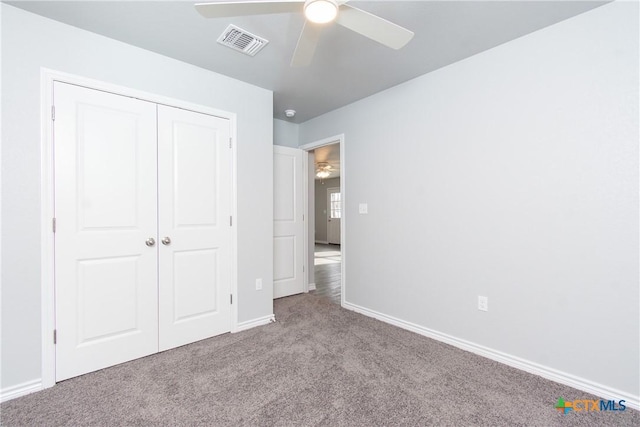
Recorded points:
(346, 67)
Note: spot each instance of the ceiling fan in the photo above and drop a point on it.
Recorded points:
(317, 13)
(323, 170)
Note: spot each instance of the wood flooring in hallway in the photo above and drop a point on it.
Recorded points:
(328, 269)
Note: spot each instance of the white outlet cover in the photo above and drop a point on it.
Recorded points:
(363, 208)
(258, 284)
(483, 303)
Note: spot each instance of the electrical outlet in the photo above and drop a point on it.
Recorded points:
(483, 303)
(258, 284)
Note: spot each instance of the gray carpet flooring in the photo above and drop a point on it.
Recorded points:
(318, 365)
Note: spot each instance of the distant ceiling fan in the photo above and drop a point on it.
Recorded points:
(317, 12)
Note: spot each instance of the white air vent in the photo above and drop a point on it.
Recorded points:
(241, 40)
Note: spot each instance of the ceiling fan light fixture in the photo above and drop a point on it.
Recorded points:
(323, 174)
(320, 11)
(323, 170)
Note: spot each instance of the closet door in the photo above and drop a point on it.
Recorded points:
(194, 186)
(105, 207)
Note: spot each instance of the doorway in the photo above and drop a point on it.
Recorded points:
(325, 231)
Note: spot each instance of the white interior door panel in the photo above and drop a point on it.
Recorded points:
(194, 158)
(105, 192)
(288, 222)
(143, 242)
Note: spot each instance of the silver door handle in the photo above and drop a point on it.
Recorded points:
(150, 241)
(166, 241)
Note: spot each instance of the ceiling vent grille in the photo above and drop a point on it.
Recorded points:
(241, 40)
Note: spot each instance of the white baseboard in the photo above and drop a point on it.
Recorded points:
(20, 390)
(243, 326)
(312, 286)
(322, 242)
(565, 378)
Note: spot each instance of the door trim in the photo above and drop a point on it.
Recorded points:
(47, 198)
(343, 220)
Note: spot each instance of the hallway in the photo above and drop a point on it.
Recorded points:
(328, 269)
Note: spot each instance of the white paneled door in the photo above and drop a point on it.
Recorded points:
(194, 158)
(105, 204)
(288, 222)
(141, 257)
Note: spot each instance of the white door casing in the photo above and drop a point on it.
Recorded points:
(194, 158)
(105, 208)
(288, 222)
(334, 215)
(337, 139)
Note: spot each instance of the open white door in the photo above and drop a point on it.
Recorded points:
(106, 223)
(194, 201)
(288, 222)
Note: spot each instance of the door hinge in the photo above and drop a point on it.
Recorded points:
(53, 225)
(231, 298)
(55, 336)
(53, 113)
(303, 268)
(230, 139)
(230, 221)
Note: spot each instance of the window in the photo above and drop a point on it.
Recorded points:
(335, 208)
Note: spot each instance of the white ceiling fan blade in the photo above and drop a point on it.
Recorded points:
(306, 46)
(222, 9)
(373, 27)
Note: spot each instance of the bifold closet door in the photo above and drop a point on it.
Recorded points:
(194, 187)
(143, 239)
(106, 224)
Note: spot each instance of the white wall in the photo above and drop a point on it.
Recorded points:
(30, 42)
(285, 133)
(515, 176)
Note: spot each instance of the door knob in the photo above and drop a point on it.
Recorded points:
(150, 241)
(166, 241)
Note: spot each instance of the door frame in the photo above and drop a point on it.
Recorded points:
(47, 198)
(337, 139)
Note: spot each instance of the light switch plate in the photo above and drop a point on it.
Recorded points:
(258, 284)
(363, 208)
